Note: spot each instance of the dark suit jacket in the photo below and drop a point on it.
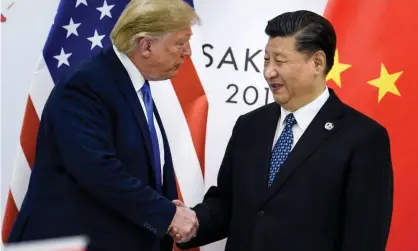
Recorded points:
(93, 170)
(333, 193)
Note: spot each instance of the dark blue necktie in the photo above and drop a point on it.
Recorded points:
(282, 148)
(149, 107)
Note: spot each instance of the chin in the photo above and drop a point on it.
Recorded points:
(173, 73)
(279, 102)
(280, 99)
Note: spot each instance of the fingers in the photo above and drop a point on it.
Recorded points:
(184, 232)
(179, 203)
(185, 224)
(174, 232)
(188, 235)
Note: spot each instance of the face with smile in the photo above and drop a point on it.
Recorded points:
(294, 78)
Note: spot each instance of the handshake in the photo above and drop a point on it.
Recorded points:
(184, 225)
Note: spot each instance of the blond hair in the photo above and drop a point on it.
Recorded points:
(151, 18)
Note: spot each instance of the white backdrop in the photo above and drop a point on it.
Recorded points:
(233, 29)
(22, 39)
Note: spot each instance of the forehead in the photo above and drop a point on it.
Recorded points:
(281, 45)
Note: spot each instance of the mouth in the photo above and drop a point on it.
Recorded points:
(275, 87)
(179, 64)
(175, 67)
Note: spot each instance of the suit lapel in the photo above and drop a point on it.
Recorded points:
(265, 137)
(170, 183)
(126, 87)
(312, 138)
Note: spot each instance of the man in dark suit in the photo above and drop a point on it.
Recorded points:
(103, 166)
(306, 173)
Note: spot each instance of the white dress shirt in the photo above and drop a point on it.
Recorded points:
(138, 81)
(303, 116)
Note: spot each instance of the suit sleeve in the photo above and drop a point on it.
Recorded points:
(214, 213)
(82, 126)
(368, 200)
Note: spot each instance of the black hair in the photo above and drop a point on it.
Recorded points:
(312, 33)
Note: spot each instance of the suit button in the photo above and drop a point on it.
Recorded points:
(261, 213)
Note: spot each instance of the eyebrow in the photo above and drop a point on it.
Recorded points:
(276, 53)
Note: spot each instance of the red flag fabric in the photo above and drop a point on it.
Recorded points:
(376, 72)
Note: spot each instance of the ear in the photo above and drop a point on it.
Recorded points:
(319, 62)
(144, 46)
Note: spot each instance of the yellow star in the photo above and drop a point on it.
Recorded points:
(386, 82)
(336, 70)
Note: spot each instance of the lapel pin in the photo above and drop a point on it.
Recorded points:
(329, 126)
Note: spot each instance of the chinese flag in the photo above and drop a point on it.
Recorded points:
(376, 72)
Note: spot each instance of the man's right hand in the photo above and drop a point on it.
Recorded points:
(184, 225)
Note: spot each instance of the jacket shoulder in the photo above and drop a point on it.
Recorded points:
(90, 81)
(92, 71)
(363, 122)
(261, 112)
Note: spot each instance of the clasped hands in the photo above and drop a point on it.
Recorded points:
(184, 225)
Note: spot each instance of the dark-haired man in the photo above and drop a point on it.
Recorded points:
(307, 172)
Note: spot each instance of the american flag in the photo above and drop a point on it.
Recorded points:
(81, 29)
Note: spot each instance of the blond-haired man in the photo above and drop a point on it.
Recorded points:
(103, 166)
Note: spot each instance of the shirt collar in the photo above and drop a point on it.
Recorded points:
(306, 113)
(133, 72)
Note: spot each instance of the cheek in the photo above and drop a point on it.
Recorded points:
(175, 51)
(293, 79)
(288, 74)
(307, 77)
(172, 56)
(303, 73)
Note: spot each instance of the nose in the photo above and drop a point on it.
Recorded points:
(270, 72)
(187, 52)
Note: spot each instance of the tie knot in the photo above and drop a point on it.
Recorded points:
(290, 120)
(146, 92)
(146, 88)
